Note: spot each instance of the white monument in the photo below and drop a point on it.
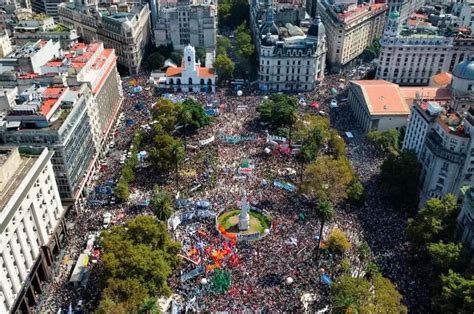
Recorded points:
(244, 217)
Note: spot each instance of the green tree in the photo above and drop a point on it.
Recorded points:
(387, 299)
(399, 178)
(166, 152)
(337, 145)
(200, 54)
(121, 191)
(327, 178)
(279, 110)
(457, 294)
(363, 251)
(435, 221)
(165, 113)
(125, 293)
(350, 295)
(149, 306)
(224, 67)
(325, 213)
(176, 57)
(338, 241)
(245, 47)
(155, 61)
(446, 256)
(387, 140)
(345, 265)
(138, 259)
(356, 191)
(162, 205)
(108, 306)
(223, 45)
(192, 115)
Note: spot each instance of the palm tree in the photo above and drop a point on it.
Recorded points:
(149, 306)
(326, 213)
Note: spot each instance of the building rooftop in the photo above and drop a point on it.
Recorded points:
(348, 13)
(442, 79)
(383, 97)
(27, 50)
(13, 169)
(439, 94)
(453, 123)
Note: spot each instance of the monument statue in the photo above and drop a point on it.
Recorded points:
(244, 217)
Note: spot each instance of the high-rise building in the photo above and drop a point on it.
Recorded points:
(412, 53)
(32, 229)
(442, 137)
(350, 29)
(124, 27)
(86, 86)
(57, 118)
(187, 24)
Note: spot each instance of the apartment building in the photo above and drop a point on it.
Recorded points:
(350, 29)
(32, 230)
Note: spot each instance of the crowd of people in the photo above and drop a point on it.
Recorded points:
(210, 172)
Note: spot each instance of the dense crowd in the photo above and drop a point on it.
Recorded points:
(210, 172)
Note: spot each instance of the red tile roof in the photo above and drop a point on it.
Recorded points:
(382, 97)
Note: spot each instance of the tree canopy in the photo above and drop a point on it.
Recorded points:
(338, 241)
(232, 13)
(434, 220)
(388, 140)
(278, 110)
(359, 295)
(166, 152)
(399, 178)
(224, 67)
(137, 260)
(445, 256)
(457, 294)
(245, 47)
(162, 205)
(327, 178)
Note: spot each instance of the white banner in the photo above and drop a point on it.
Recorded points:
(207, 141)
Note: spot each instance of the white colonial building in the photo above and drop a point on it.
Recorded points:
(190, 76)
(31, 215)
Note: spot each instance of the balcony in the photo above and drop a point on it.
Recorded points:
(434, 144)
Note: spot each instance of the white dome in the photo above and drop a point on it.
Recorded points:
(289, 281)
(127, 25)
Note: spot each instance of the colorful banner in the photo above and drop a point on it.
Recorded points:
(207, 141)
(193, 273)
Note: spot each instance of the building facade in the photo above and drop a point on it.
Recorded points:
(5, 45)
(406, 7)
(465, 220)
(57, 118)
(48, 7)
(411, 56)
(124, 27)
(442, 137)
(291, 51)
(32, 230)
(190, 76)
(350, 29)
(187, 24)
(40, 26)
(378, 105)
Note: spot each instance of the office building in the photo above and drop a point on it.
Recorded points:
(292, 52)
(32, 231)
(48, 7)
(350, 29)
(442, 137)
(124, 27)
(30, 57)
(34, 27)
(187, 24)
(412, 53)
(57, 118)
